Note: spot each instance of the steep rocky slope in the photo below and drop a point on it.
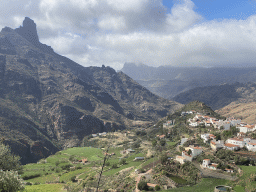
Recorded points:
(48, 102)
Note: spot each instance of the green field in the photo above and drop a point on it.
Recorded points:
(45, 188)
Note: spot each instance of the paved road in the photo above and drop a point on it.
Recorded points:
(214, 174)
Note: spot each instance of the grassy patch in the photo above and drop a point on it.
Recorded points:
(92, 154)
(170, 143)
(67, 176)
(45, 188)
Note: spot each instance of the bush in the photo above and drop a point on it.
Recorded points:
(27, 177)
(142, 185)
(73, 178)
(66, 167)
(114, 166)
(157, 188)
(58, 170)
(123, 161)
(10, 181)
(107, 163)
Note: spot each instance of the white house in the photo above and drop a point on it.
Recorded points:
(187, 156)
(180, 159)
(206, 162)
(251, 147)
(231, 147)
(205, 137)
(193, 124)
(246, 128)
(236, 141)
(195, 150)
(215, 145)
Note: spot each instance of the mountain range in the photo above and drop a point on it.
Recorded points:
(169, 81)
(49, 102)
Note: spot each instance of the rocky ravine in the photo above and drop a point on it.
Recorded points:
(48, 102)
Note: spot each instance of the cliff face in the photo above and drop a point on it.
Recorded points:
(48, 102)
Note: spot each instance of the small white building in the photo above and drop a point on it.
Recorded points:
(195, 150)
(215, 145)
(206, 162)
(246, 128)
(231, 147)
(236, 141)
(180, 159)
(251, 146)
(187, 156)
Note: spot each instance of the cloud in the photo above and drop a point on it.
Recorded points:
(112, 32)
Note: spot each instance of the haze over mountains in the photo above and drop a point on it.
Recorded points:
(168, 82)
(48, 102)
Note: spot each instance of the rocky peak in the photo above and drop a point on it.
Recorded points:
(28, 31)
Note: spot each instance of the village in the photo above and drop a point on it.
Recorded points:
(241, 139)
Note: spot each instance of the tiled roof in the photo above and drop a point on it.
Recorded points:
(231, 145)
(236, 139)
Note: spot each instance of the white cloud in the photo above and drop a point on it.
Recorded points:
(112, 32)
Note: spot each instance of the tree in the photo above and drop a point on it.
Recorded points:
(8, 161)
(163, 158)
(189, 152)
(10, 181)
(9, 164)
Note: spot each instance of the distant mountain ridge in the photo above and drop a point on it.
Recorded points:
(168, 81)
(49, 102)
(219, 96)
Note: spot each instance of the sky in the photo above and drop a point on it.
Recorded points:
(152, 32)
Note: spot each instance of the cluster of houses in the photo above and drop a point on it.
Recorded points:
(212, 121)
(232, 143)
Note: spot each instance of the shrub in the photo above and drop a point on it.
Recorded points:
(37, 183)
(107, 163)
(73, 178)
(58, 170)
(10, 181)
(157, 188)
(142, 185)
(123, 161)
(114, 166)
(66, 167)
(28, 183)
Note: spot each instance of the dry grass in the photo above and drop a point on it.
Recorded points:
(246, 111)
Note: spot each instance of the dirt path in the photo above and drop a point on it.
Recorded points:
(214, 174)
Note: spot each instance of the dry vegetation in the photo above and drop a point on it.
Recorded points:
(245, 111)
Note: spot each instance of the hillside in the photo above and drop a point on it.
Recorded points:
(49, 102)
(244, 111)
(220, 95)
